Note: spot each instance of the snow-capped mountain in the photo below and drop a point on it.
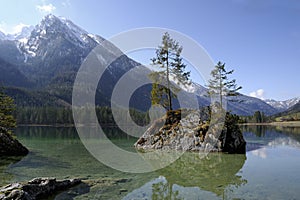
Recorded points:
(32, 40)
(246, 105)
(240, 104)
(283, 105)
(52, 54)
(48, 57)
(52, 30)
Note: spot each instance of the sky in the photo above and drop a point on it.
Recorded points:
(259, 39)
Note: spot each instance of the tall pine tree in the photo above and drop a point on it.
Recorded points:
(170, 69)
(220, 85)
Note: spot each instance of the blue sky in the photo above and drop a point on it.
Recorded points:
(259, 39)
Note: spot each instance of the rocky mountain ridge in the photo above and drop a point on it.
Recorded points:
(283, 105)
(47, 60)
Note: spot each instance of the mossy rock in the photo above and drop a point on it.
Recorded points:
(10, 146)
(187, 130)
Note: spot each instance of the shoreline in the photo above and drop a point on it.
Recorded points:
(46, 125)
(283, 124)
(65, 125)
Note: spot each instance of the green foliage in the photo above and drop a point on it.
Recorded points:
(257, 117)
(44, 115)
(219, 83)
(169, 61)
(34, 98)
(232, 122)
(231, 133)
(289, 117)
(64, 115)
(7, 107)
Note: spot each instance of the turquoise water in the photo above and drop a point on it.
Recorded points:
(269, 170)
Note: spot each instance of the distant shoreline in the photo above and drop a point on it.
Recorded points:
(47, 125)
(283, 124)
(65, 125)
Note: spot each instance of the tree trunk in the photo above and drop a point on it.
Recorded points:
(168, 82)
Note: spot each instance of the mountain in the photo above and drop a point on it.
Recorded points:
(291, 114)
(246, 105)
(33, 98)
(11, 76)
(295, 108)
(20, 36)
(10, 52)
(240, 104)
(2, 36)
(51, 56)
(283, 105)
(55, 46)
(40, 64)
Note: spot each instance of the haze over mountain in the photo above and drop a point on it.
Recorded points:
(23, 34)
(42, 63)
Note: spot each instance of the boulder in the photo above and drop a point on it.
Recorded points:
(190, 130)
(36, 189)
(10, 146)
(232, 137)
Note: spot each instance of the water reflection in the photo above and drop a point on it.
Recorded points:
(52, 132)
(262, 153)
(193, 175)
(259, 131)
(292, 132)
(272, 131)
(259, 136)
(270, 169)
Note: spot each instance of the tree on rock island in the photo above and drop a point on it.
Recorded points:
(170, 74)
(219, 84)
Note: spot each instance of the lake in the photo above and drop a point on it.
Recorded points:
(269, 170)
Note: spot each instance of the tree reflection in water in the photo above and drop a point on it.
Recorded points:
(193, 175)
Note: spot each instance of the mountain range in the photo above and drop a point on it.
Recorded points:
(39, 65)
(291, 114)
(283, 105)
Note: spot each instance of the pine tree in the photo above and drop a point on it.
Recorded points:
(171, 68)
(7, 107)
(220, 85)
(258, 117)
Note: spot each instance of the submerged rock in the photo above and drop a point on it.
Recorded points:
(36, 189)
(192, 131)
(10, 146)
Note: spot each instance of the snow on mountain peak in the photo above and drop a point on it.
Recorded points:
(53, 28)
(283, 105)
(63, 24)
